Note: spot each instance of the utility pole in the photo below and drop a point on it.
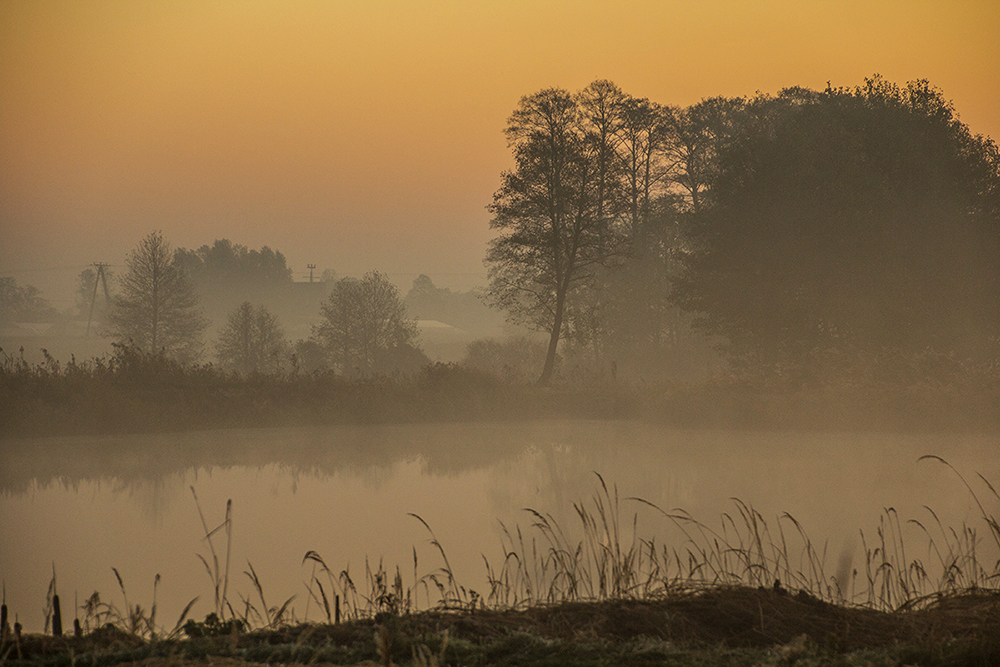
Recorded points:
(310, 267)
(99, 278)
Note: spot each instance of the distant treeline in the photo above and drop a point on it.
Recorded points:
(133, 391)
(814, 235)
(843, 240)
(238, 308)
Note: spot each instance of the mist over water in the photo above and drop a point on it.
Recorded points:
(90, 504)
(433, 278)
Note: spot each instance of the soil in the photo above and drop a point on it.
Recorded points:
(727, 626)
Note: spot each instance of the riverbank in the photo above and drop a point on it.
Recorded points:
(136, 393)
(718, 626)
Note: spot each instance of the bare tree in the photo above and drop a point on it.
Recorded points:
(626, 136)
(365, 329)
(157, 308)
(600, 106)
(692, 138)
(645, 169)
(549, 213)
(252, 341)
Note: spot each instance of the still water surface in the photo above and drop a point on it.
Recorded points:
(86, 505)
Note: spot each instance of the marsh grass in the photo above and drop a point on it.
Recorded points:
(131, 619)
(609, 554)
(906, 563)
(610, 560)
(341, 599)
(266, 617)
(131, 391)
(136, 621)
(225, 616)
(218, 575)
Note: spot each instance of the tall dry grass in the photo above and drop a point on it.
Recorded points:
(610, 559)
(607, 555)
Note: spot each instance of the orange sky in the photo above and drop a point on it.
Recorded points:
(360, 135)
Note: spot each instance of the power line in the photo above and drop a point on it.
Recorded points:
(41, 269)
(101, 277)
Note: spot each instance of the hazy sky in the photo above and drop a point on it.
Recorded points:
(360, 135)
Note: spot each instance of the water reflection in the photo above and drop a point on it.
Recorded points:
(89, 504)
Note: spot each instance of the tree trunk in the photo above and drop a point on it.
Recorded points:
(550, 356)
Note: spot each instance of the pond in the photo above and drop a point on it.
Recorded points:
(85, 505)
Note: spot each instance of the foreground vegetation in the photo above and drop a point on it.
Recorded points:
(598, 592)
(739, 626)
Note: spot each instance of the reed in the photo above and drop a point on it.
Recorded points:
(266, 617)
(610, 561)
(218, 575)
(609, 558)
(341, 586)
(131, 618)
(423, 656)
(4, 626)
(605, 554)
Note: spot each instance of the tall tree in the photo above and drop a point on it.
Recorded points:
(252, 341)
(622, 314)
(601, 106)
(855, 222)
(551, 231)
(693, 137)
(365, 329)
(157, 308)
(644, 170)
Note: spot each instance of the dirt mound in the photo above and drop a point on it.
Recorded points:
(724, 622)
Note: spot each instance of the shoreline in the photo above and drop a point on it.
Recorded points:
(720, 625)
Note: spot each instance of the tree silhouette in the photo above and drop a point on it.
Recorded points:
(22, 304)
(252, 341)
(156, 308)
(550, 214)
(857, 223)
(365, 329)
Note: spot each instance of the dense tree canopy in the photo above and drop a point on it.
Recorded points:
(807, 232)
(226, 274)
(861, 221)
(228, 265)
